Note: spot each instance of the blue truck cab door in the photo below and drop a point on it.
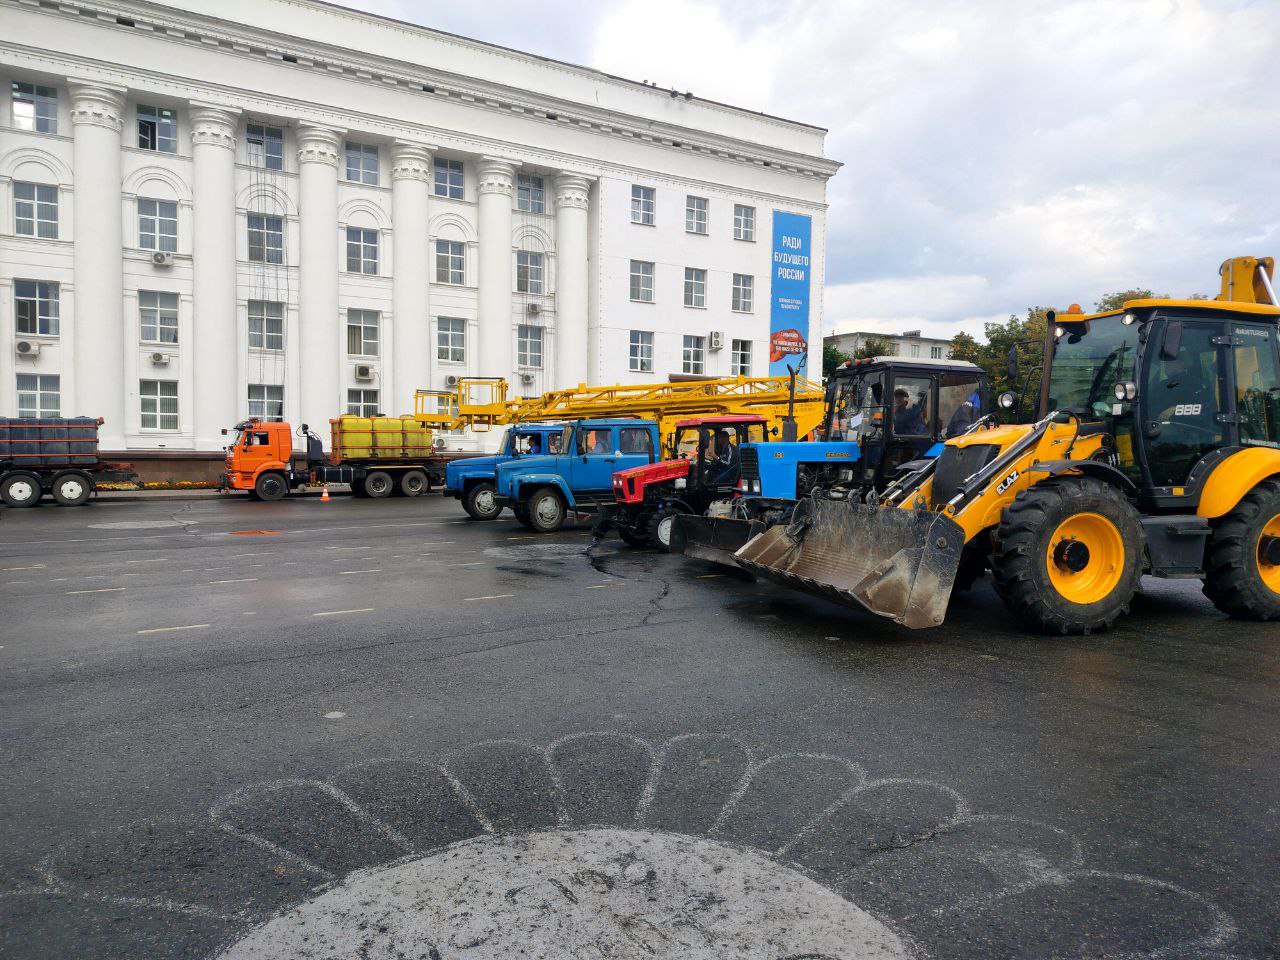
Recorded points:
(594, 458)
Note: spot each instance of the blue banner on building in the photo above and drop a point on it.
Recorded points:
(789, 292)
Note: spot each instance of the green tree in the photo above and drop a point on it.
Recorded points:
(1023, 334)
(873, 347)
(1114, 301)
(831, 359)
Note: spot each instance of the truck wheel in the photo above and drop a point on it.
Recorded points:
(1068, 555)
(1242, 562)
(522, 515)
(660, 524)
(21, 490)
(637, 534)
(546, 509)
(72, 489)
(413, 484)
(270, 486)
(481, 502)
(378, 484)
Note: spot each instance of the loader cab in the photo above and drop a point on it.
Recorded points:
(714, 446)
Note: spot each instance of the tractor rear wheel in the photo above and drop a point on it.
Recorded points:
(1242, 562)
(660, 524)
(481, 502)
(1068, 555)
(546, 509)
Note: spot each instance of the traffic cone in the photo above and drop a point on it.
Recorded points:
(324, 494)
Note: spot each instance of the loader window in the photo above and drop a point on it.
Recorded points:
(959, 403)
(1182, 398)
(1257, 384)
(1088, 360)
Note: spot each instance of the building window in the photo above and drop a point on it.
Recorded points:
(448, 178)
(935, 353)
(528, 272)
(362, 163)
(740, 360)
(159, 399)
(695, 354)
(642, 351)
(915, 350)
(35, 108)
(158, 316)
(157, 130)
(35, 305)
(35, 210)
(266, 401)
(528, 346)
(642, 205)
(642, 281)
(531, 196)
(362, 333)
(266, 325)
(362, 250)
(695, 215)
(362, 403)
(39, 395)
(744, 222)
(744, 289)
(451, 340)
(450, 262)
(266, 238)
(158, 225)
(695, 287)
(265, 146)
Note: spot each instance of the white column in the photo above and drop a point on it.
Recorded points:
(97, 117)
(497, 182)
(213, 258)
(575, 362)
(320, 343)
(411, 263)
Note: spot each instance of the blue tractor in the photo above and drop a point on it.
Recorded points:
(882, 413)
(472, 480)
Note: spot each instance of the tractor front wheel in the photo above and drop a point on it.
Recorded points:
(1068, 555)
(660, 524)
(635, 534)
(1242, 567)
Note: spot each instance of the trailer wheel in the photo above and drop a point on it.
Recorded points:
(660, 525)
(1068, 555)
(378, 484)
(21, 490)
(1242, 562)
(413, 484)
(481, 502)
(546, 509)
(72, 489)
(270, 486)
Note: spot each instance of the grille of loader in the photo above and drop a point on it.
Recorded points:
(957, 464)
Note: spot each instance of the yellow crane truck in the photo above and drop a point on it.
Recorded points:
(1156, 452)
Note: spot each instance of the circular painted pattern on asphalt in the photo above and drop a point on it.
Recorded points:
(582, 893)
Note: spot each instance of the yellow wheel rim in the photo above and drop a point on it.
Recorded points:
(1085, 558)
(1270, 572)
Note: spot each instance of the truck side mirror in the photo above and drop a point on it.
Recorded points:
(1172, 341)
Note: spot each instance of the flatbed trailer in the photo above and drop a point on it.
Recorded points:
(55, 457)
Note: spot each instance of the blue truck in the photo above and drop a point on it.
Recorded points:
(542, 490)
(473, 480)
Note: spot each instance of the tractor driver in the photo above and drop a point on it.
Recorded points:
(908, 418)
(725, 463)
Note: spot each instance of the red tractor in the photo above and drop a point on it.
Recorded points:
(707, 470)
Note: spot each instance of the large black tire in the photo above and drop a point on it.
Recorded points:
(1040, 570)
(413, 483)
(660, 523)
(546, 510)
(270, 486)
(973, 564)
(1242, 562)
(636, 535)
(378, 484)
(21, 490)
(522, 516)
(72, 488)
(480, 502)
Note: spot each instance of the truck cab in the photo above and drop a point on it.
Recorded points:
(541, 490)
(472, 480)
(260, 455)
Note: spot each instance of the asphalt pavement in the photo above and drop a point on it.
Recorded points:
(379, 729)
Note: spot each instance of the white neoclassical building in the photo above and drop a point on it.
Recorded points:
(293, 209)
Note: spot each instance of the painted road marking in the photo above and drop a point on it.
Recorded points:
(249, 613)
(99, 590)
(241, 580)
(189, 626)
(157, 560)
(344, 573)
(334, 715)
(522, 538)
(34, 566)
(496, 596)
(264, 553)
(473, 563)
(599, 586)
(335, 613)
(709, 576)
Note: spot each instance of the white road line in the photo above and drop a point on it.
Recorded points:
(496, 596)
(437, 543)
(239, 556)
(241, 580)
(344, 573)
(249, 613)
(473, 563)
(600, 586)
(34, 566)
(157, 560)
(522, 538)
(99, 590)
(335, 613)
(189, 626)
(709, 576)
(186, 571)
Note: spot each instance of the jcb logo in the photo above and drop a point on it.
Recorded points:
(1188, 409)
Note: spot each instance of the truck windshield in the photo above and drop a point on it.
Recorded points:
(1088, 360)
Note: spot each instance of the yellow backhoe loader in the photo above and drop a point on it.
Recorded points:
(1156, 451)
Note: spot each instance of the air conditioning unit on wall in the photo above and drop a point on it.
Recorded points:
(160, 359)
(26, 348)
(716, 340)
(162, 259)
(533, 309)
(364, 371)
(452, 380)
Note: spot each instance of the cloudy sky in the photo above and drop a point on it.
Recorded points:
(997, 154)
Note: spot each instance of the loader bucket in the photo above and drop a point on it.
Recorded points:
(715, 539)
(898, 563)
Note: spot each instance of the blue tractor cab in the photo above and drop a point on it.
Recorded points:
(472, 480)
